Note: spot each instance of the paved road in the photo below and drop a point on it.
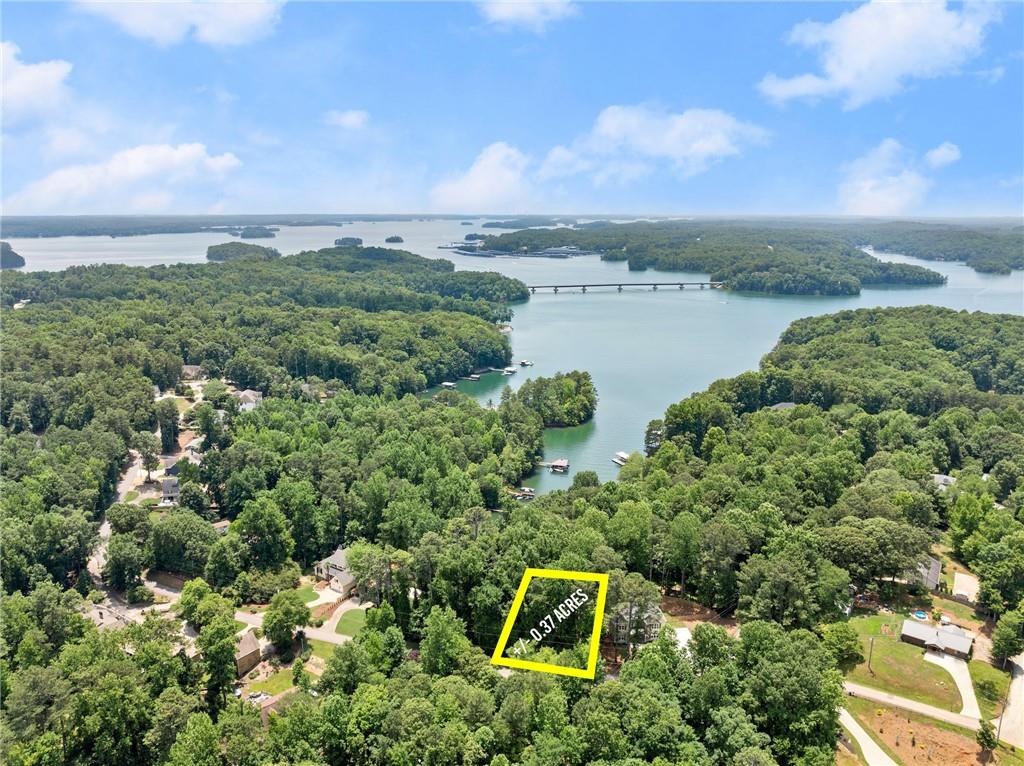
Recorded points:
(873, 754)
(1012, 730)
(866, 692)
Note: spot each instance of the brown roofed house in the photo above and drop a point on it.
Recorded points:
(247, 655)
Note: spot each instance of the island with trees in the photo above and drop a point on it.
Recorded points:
(773, 497)
(257, 232)
(229, 251)
(8, 258)
(394, 239)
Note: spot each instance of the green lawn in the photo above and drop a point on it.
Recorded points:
(990, 685)
(239, 625)
(351, 622)
(308, 594)
(963, 615)
(321, 649)
(131, 495)
(275, 684)
(899, 668)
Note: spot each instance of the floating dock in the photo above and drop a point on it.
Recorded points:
(620, 458)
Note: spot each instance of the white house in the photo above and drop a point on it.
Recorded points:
(334, 569)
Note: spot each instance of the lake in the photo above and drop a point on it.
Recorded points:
(645, 349)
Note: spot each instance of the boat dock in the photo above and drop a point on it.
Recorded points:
(620, 458)
(561, 465)
(621, 285)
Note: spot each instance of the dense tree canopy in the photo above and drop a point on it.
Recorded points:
(767, 512)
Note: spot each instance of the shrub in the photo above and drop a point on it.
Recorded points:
(140, 594)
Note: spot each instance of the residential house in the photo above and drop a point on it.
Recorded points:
(783, 406)
(942, 481)
(172, 491)
(248, 399)
(929, 573)
(948, 639)
(247, 654)
(174, 465)
(221, 527)
(645, 626)
(334, 569)
(191, 372)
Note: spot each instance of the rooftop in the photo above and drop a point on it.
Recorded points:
(338, 559)
(938, 637)
(247, 643)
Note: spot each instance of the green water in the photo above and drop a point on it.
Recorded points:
(644, 349)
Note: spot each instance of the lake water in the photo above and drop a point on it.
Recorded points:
(644, 349)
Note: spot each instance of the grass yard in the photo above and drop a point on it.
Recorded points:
(131, 495)
(309, 595)
(275, 683)
(844, 758)
(321, 649)
(963, 615)
(239, 625)
(351, 622)
(899, 668)
(990, 685)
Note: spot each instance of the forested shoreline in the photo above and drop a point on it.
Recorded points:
(780, 256)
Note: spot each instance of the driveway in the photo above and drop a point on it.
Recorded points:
(320, 634)
(1011, 728)
(958, 669)
(866, 692)
(965, 585)
(873, 754)
(345, 606)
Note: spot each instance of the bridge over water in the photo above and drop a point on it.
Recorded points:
(621, 285)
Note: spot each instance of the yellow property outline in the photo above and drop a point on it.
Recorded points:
(517, 602)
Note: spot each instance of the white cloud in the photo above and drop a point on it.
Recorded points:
(627, 142)
(30, 90)
(531, 15)
(349, 119)
(992, 75)
(138, 178)
(870, 52)
(944, 154)
(211, 22)
(883, 182)
(495, 182)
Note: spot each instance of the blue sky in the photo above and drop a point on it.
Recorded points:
(663, 108)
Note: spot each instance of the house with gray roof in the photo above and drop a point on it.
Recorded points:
(334, 569)
(171, 491)
(948, 639)
(929, 573)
